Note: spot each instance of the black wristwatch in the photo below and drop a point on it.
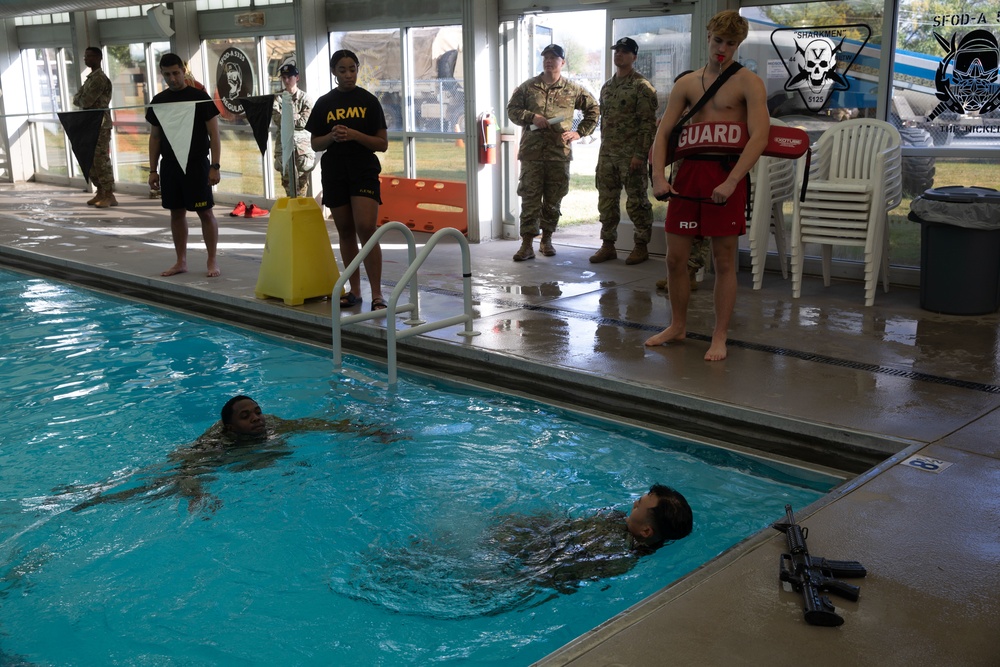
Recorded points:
(215, 165)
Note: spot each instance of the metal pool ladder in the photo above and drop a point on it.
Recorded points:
(409, 279)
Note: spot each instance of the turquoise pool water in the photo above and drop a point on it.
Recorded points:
(329, 547)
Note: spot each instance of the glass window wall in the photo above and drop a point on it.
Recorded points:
(426, 98)
(52, 77)
(128, 67)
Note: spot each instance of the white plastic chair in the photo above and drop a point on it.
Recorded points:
(772, 182)
(854, 181)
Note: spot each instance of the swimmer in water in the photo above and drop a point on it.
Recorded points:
(243, 439)
(559, 552)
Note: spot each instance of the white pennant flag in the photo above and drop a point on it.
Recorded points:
(287, 131)
(177, 122)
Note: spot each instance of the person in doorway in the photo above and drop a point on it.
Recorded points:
(303, 159)
(544, 106)
(628, 123)
(188, 188)
(713, 186)
(349, 124)
(95, 93)
(701, 247)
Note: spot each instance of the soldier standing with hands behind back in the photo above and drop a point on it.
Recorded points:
(628, 124)
(543, 106)
(95, 93)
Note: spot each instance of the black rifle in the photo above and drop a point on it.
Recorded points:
(814, 576)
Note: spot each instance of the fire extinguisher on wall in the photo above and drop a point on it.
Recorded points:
(487, 138)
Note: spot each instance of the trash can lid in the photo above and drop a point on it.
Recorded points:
(959, 194)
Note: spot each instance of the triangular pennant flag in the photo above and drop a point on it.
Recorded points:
(287, 130)
(288, 140)
(258, 112)
(177, 122)
(82, 129)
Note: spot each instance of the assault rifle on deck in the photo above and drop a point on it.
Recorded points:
(813, 576)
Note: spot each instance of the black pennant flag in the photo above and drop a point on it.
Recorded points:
(82, 129)
(258, 111)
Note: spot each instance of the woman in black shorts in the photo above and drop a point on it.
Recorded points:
(349, 125)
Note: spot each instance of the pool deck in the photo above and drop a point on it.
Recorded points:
(820, 378)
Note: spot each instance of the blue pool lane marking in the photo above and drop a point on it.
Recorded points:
(926, 463)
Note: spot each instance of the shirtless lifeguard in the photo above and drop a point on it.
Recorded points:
(719, 179)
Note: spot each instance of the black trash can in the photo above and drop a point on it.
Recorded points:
(959, 250)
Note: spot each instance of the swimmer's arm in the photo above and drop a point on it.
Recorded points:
(308, 424)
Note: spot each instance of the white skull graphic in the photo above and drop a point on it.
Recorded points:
(819, 59)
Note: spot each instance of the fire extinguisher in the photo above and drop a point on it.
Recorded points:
(487, 138)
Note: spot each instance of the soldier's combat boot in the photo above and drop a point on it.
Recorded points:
(545, 247)
(525, 252)
(96, 198)
(638, 255)
(607, 251)
(107, 200)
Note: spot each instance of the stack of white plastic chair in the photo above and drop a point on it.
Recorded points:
(854, 181)
(772, 182)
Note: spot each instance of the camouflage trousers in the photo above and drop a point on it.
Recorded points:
(101, 173)
(701, 251)
(303, 165)
(542, 186)
(613, 174)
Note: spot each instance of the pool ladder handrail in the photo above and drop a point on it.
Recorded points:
(410, 279)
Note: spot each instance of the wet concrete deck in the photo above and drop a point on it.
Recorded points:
(820, 378)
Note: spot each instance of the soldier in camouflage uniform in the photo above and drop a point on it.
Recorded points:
(543, 106)
(628, 123)
(95, 93)
(305, 159)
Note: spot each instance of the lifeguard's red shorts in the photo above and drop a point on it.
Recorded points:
(697, 177)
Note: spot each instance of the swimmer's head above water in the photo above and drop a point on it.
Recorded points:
(659, 516)
(241, 415)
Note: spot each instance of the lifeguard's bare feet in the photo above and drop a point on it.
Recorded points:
(179, 267)
(213, 269)
(669, 335)
(717, 350)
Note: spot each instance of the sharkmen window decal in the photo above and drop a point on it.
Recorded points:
(818, 58)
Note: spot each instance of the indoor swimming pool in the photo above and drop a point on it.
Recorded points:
(371, 543)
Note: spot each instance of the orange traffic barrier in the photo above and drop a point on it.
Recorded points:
(423, 204)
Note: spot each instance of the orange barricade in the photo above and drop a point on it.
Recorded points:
(423, 204)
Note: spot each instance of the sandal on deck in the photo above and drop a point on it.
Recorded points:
(379, 303)
(349, 300)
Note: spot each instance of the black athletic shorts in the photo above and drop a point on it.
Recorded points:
(189, 191)
(346, 182)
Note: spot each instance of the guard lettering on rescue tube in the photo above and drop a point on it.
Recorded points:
(712, 136)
